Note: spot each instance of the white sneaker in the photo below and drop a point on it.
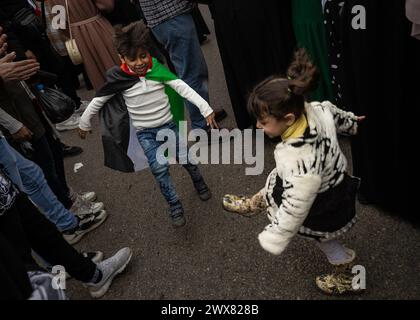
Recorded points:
(84, 196)
(86, 225)
(87, 196)
(82, 107)
(70, 124)
(110, 268)
(81, 207)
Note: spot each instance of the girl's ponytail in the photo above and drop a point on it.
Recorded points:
(277, 96)
(302, 74)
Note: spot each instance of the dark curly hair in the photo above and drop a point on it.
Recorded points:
(129, 39)
(278, 95)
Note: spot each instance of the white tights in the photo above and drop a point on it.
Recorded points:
(334, 251)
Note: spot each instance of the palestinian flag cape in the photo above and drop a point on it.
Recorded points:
(122, 151)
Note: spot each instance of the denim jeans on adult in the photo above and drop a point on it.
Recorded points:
(160, 167)
(179, 37)
(29, 178)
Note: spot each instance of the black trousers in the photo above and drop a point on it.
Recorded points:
(48, 154)
(23, 228)
(68, 80)
(14, 280)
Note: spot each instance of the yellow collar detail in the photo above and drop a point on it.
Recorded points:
(297, 129)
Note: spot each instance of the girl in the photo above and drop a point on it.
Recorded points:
(309, 192)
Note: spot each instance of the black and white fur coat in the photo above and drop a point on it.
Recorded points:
(307, 166)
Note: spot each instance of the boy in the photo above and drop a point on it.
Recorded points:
(143, 83)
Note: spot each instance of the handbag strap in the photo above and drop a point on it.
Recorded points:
(68, 19)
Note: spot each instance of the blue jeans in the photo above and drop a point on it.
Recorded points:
(30, 179)
(179, 37)
(160, 169)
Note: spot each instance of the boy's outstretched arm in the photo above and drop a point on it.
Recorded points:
(93, 108)
(185, 91)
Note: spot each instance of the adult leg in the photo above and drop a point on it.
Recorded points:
(14, 280)
(30, 179)
(67, 80)
(26, 228)
(43, 156)
(57, 152)
(179, 36)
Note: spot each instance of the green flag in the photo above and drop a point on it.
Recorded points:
(161, 74)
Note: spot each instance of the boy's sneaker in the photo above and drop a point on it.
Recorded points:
(86, 224)
(176, 212)
(202, 189)
(110, 268)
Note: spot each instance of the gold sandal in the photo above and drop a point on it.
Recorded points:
(244, 206)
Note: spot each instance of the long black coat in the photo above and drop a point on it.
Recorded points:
(256, 40)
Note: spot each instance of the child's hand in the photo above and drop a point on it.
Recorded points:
(360, 119)
(211, 121)
(83, 133)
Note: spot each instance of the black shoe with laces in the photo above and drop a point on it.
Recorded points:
(176, 212)
(220, 115)
(202, 189)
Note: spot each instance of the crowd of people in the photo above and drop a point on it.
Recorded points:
(142, 58)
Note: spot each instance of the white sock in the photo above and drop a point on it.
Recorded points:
(334, 251)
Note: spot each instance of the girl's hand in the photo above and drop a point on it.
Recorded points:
(83, 133)
(360, 119)
(211, 121)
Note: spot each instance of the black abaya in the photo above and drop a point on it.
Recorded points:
(255, 40)
(380, 63)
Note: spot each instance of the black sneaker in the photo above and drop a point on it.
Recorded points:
(203, 190)
(71, 151)
(220, 115)
(176, 212)
(87, 224)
